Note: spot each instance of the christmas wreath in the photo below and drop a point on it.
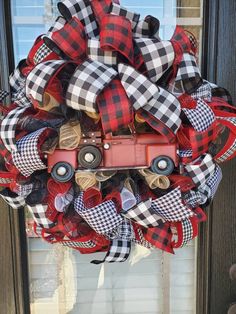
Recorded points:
(110, 135)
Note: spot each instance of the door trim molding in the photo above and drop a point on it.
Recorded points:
(14, 254)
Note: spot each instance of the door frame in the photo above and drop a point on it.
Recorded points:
(215, 291)
(14, 290)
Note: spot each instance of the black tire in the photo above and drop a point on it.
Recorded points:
(89, 151)
(67, 176)
(155, 166)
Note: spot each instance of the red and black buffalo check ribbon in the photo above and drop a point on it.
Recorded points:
(198, 142)
(160, 237)
(114, 107)
(181, 44)
(100, 8)
(71, 39)
(157, 125)
(116, 34)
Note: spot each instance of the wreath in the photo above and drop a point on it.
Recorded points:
(110, 136)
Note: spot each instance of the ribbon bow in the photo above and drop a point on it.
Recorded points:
(143, 94)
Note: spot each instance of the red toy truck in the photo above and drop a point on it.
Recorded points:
(133, 151)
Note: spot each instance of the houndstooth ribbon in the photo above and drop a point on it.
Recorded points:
(83, 11)
(144, 94)
(202, 171)
(89, 79)
(119, 251)
(194, 198)
(77, 244)
(200, 117)
(204, 91)
(39, 77)
(8, 128)
(103, 218)
(27, 158)
(187, 232)
(170, 206)
(158, 56)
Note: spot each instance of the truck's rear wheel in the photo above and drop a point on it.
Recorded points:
(89, 157)
(162, 165)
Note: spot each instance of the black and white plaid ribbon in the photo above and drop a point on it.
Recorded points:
(38, 212)
(202, 171)
(83, 11)
(143, 214)
(117, 9)
(58, 24)
(24, 189)
(170, 206)
(95, 53)
(8, 128)
(158, 56)
(211, 186)
(12, 199)
(87, 82)
(188, 74)
(200, 117)
(119, 251)
(125, 231)
(39, 77)
(147, 28)
(103, 218)
(17, 79)
(27, 158)
(144, 94)
(3, 94)
(21, 99)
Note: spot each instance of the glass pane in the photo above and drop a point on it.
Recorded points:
(62, 280)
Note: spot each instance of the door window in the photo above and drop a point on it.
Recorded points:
(62, 280)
